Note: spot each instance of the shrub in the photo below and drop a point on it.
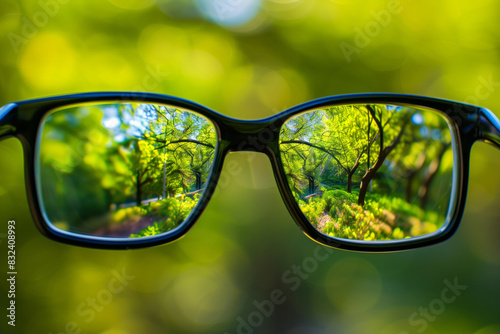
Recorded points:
(341, 195)
(169, 212)
(336, 213)
(313, 210)
(124, 214)
(154, 229)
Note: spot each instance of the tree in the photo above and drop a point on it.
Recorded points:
(302, 160)
(350, 136)
(160, 150)
(341, 132)
(420, 155)
(190, 143)
(382, 142)
(144, 163)
(431, 173)
(395, 124)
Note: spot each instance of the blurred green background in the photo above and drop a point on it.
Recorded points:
(251, 59)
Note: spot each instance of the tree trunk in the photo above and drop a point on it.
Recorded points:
(198, 181)
(138, 190)
(409, 182)
(384, 152)
(412, 173)
(369, 145)
(311, 184)
(365, 181)
(429, 176)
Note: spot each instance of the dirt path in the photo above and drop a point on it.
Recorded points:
(125, 228)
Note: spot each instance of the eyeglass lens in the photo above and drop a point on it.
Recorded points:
(370, 172)
(122, 169)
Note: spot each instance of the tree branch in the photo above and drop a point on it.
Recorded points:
(379, 126)
(315, 146)
(185, 141)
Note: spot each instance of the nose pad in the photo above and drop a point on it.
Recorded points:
(254, 169)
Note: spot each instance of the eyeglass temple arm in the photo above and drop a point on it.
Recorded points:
(489, 127)
(6, 127)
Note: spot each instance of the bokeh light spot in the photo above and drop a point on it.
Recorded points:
(353, 285)
(152, 272)
(207, 247)
(108, 70)
(201, 296)
(273, 90)
(162, 44)
(49, 62)
(229, 13)
(201, 66)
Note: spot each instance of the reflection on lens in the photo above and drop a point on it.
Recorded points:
(370, 172)
(122, 169)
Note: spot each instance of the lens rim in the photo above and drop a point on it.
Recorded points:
(453, 191)
(38, 179)
(31, 116)
(461, 119)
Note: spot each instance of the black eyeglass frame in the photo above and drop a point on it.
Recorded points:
(469, 124)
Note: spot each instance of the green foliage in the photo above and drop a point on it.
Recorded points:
(154, 229)
(385, 158)
(127, 214)
(96, 158)
(170, 213)
(337, 214)
(340, 195)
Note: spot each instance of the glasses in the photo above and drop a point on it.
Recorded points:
(364, 172)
